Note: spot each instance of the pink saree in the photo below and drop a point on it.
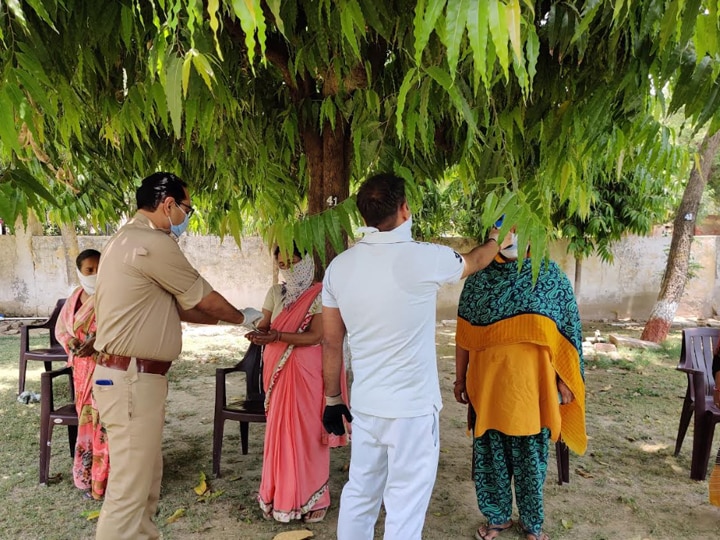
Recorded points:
(90, 465)
(296, 456)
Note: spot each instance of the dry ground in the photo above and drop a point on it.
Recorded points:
(627, 486)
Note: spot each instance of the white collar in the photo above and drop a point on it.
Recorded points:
(401, 233)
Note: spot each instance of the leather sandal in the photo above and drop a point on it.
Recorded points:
(488, 532)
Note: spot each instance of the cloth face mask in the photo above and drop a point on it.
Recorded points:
(297, 279)
(511, 252)
(87, 282)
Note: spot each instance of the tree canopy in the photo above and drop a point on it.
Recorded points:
(272, 110)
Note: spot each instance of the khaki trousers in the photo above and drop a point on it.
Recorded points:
(132, 410)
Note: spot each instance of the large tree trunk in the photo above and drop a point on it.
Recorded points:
(328, 156)
(676, 271)
(72, 250)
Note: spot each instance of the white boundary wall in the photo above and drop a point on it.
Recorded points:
(33, 275)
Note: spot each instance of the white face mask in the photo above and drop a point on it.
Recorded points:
(511, 252)
(87, 282)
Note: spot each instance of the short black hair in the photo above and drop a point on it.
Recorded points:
(156, 188)
(296, 251)
(379, 198)
(86, 254)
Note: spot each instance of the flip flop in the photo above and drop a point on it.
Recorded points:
(314, 516)
(529, 535)
(488, 532)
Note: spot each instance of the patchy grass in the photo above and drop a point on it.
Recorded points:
(627, 486)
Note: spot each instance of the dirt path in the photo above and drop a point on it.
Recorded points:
(627, 486)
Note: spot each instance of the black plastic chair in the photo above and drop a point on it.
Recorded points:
(48, 355)
(698, 346)
(707, 415)
(252, 409)
(51, 416)
(562, 456)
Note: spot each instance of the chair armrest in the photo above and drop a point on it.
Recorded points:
(232, 369)
(25, 334)
(684, 369)
(34, 326)
(46, 325)
(67, 370)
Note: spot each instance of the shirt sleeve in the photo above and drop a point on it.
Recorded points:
(449, 264)
(269, 303)
(328, 297)
(165, 263)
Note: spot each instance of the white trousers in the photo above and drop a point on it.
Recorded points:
(392, 461)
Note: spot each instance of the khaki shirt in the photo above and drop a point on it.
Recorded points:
(142, 279)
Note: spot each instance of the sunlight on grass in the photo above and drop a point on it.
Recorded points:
(653, 448)
(628, 471)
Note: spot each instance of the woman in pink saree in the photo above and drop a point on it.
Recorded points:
(296, 455)
(75, 330)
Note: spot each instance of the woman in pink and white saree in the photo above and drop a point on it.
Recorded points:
(296, 456)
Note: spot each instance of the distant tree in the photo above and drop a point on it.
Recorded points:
(678, 263)
(618, 207)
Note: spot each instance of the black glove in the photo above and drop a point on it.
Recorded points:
(333, 418)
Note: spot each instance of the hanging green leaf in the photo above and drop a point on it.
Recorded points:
(425, 19)
(173, 92)
(455, 20)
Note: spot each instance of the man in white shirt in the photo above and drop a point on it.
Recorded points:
(382, 292)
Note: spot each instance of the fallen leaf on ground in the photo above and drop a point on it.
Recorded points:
(584, 473)
(180, 512)
(294, 535)
(91, 514)
(566, 523)
(210, 495)
(202, 487)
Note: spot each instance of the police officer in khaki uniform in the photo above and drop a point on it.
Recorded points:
(145, 287)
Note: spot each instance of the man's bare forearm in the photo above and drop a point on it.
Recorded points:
(332, 366)
(479, 257)
(216, 307)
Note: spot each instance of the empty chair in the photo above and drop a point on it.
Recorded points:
(252, 409)
(707, 414)
(698, 345)
(53, 353)
(51, 416)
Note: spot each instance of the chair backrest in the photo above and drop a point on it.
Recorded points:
(53, 319)
(696, 353)
(47, 393)
(252, 365)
